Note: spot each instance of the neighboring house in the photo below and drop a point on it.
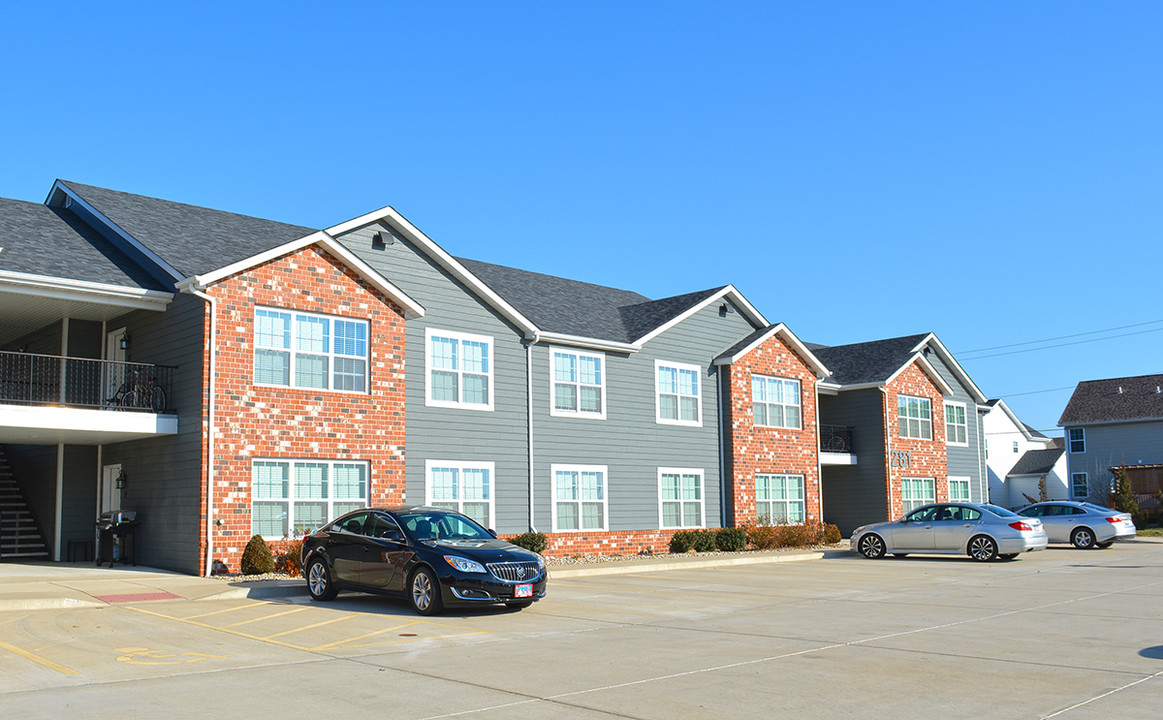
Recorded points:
(901, 425)
(1113, 423)
(1017, 456)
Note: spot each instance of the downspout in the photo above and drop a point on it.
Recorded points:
(196, 289)
(819, 464)
(529, 343)
(725, 472)
(982, 478)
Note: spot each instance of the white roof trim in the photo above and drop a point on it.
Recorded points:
(790, 338)
(83, 291)
(928, 369)
(429, 247)
(412, 309)
(583, 342)
(1021, 426)
(728, 292)
(974, 391)
(137, 245)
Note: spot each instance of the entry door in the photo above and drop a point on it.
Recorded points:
(110, 495)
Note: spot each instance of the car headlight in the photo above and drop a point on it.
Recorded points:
(463, 564)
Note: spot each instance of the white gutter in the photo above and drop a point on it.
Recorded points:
(193, 287)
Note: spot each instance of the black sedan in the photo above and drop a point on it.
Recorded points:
(432, 556)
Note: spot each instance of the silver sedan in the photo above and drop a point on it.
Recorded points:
(1083, 524)
(983, 532)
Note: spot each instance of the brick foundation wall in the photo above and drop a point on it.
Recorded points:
(756, 449)
(629, 542)
(925, 458)
(275, 422)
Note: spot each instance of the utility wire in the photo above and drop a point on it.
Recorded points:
(1076, 342)
(1062, 337)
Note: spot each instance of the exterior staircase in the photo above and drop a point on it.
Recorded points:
(19, 535)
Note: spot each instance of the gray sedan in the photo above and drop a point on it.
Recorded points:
(1083, 524)
(983, 532)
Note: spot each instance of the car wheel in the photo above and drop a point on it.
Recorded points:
(1008, 556)
(1105, 545)
(871, 546)
(1082, 538)
(319, 580)
(982, 548)
(425, 592)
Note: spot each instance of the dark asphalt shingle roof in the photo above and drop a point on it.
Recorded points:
(1037, 462)
(53, 242)
(1100, 401)
(867, 362)
(193, 240)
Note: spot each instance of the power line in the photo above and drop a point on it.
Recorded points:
(1062, 337)
(1076, 342)
(1037, 392)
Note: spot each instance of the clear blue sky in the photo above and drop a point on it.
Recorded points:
(988, 172)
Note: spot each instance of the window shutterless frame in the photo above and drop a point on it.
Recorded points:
(956, 423)
(678, 394)
(463, 486)
(775, 402)
(914, 417)
(1079, 486)
(916, 492)
(292, 497)
(458, 370)
(577, 384)
(308, 351)
(1076, 440)
(580, 500)
(681, 498)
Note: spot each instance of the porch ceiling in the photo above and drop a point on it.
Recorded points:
(22, 312)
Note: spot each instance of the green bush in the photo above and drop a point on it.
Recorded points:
(257, 558)
(705, 540)
(731, 539)
(535, 541)
(682, 541)
(831, 534)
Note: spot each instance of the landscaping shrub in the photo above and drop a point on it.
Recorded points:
(257, 558)
(288, 557)
(682, 541)
(705, 540)
(535, 541)
(832, 534)
(772, 537)
(731, 539)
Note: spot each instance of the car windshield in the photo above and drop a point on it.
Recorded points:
(1000, 511)
(437, 525)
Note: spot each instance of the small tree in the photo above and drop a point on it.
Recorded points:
(1123, 497)
(257, 558)
(1043, 496)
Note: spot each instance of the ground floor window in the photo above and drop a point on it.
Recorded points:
(291, 498)
(916, 492)
(680, 494)
(461, 486)
(958, 489)
(579, 497)
(1079, 487)
(779, 499)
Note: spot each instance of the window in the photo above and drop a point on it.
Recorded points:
(579, 497)
(916, 492)
(294, 349)
(461, 486)
(914, 417)
(680, 498)
(678, 399)
(290, 498)
(1077, 440)
(775, 402)
(956, 424)
(1079, 487)
(578, 384)
(958, 489)
(460, 371)
(779, 499)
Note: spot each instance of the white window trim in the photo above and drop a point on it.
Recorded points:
(702, 497)
(290, 500)
(931, 498)
(967, 481)
(658, 419)
(1070, 443)
(901, 421)
(429, 465)
(428, 369)
(803, 489)
(579, 413)
(965, 412)
(798, 406)
(554, 469)
(1087, 478)
(331, 354)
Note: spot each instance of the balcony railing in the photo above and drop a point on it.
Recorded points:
(31, 379)
(836, 438)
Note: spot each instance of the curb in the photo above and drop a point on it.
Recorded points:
(630, 567)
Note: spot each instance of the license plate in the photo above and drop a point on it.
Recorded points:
(523, 591)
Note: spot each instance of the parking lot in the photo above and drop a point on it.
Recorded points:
(1061, 633)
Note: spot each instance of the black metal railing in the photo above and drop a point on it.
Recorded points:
(836, 438)
(31, 379)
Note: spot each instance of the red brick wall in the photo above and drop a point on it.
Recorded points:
(756, 449)
(268, 422)
(925, 458)
(629, 542)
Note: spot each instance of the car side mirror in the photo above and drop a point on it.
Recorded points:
(492, 532)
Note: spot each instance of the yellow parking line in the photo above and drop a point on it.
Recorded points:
(404, 640)
(62, 669)
(620, 611)
(208, 626)
(308, 627)
(337, 643)
(265, 617)
(227, 610)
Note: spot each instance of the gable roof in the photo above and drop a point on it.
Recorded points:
(868, 363)
(1115, 400)
(760, 336)
(1036, 462)
(998, 404)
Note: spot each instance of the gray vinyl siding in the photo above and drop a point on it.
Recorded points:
(1138, 443)
(965, 461)
(854, 495)
(79, 496)
(445, 434)
(630, 442)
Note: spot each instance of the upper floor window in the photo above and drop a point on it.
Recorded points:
(303, 350)
(461, 486)
(775, 402)
(579, 497)
(1077, 440)
(956, 424)
(578, 384)
(460, 371)
(914, 417)
(680, 497)
(678, 401)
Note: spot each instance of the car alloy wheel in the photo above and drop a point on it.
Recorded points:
(425, 592)
(319, 580)
(872, 546)
(1083, 538)
(982, 548)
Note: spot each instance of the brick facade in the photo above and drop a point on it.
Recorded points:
(757, 449)
(911, 458)
(256, 421)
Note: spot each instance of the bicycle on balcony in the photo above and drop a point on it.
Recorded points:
(139, 392)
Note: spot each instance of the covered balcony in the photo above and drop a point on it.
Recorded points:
(836, 445)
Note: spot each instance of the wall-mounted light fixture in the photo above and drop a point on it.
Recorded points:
(124, 342)
(382, 239)
(122, 478)
(726, 309)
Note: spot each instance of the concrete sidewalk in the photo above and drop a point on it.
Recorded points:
(50, 585)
